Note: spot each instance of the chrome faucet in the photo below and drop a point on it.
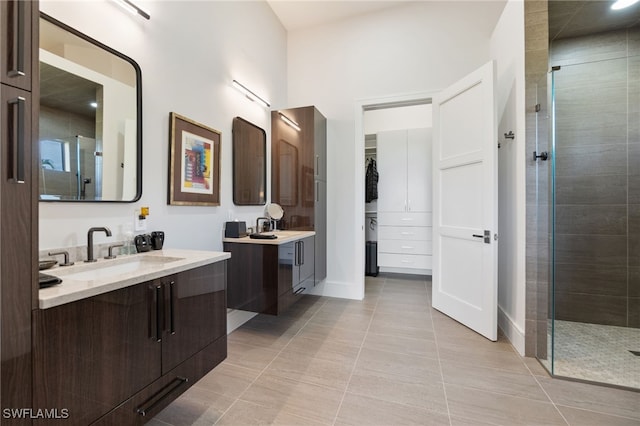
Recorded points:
(258, 223)
(90, 241)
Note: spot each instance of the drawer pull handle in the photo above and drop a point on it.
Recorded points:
(407, 248)
(17, 35)
(407, 218)
(172, 322)
(159, 313)
(300, 290)
(407, 233)
(478, 236)
(16, 123)
(406, 261)
(160, 395)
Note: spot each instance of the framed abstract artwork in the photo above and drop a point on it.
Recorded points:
(194, 169)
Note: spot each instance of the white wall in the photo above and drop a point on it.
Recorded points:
(189, 52)
(408, 117)
(507, 47)
(421, 47)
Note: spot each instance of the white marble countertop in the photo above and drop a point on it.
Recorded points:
(84, 280)
(283, 237)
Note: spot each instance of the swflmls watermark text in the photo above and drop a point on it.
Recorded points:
(35, 413)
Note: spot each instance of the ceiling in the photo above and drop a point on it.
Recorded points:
(65, 91)
(296, 14)
(575, 18)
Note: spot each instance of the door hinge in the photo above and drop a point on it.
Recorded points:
(538, 107)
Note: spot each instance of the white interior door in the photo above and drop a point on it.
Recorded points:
(465, 202)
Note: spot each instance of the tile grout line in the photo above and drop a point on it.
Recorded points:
(355, 363)
(435, 338)
(269, 364)
(547, 394)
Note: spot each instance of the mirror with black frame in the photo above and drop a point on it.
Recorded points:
(249, 163)
(90, 125)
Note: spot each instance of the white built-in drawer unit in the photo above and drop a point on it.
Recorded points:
(403, 232)
(404, 246)
(404, 203)
(409, 261)
(405, 218)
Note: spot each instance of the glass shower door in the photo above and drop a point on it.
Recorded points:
(595, 221)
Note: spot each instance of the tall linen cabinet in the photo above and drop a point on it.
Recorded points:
(404, 201)
(299, 175)
(19, 83)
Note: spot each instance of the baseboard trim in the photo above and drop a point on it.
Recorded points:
(344, 290)
(236, 317)
(510, 329)
(412, 271)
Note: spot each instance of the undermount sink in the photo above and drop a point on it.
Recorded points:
(106, 269)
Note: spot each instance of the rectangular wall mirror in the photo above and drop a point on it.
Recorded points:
(90, 118)
(249, 163)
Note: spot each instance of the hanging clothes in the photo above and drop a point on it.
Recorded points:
(371, 180)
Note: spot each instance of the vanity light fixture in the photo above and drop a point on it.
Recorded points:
(289, 121)
(621, 4)
(249, 94)
(132, 8)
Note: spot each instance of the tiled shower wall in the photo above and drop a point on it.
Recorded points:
(597, 269)
(537, 239)
(56, 124)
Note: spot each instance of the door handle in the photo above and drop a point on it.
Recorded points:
(302, 252)
(16, 130)
(17, 35)
(486, 236)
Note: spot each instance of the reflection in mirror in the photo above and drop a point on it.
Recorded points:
(90, 119)
(288, 169)
(249, 163)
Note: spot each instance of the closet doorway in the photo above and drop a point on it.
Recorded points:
(385, 126)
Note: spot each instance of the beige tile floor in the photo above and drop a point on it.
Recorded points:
(388, 360)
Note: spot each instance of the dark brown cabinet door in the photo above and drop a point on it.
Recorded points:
(17, 38)
(195, 313)
(299, 175)
(293, 161)
(16, 230)
(93, 354)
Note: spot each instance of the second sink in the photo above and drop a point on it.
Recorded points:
(109, 269)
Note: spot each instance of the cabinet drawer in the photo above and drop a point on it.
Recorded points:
(149, 401)
(404, 247)
(415, 261)
(404, 219)
(404, 233)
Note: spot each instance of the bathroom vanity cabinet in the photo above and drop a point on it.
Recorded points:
(18, 199)
(268, 276)
(122, 356)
